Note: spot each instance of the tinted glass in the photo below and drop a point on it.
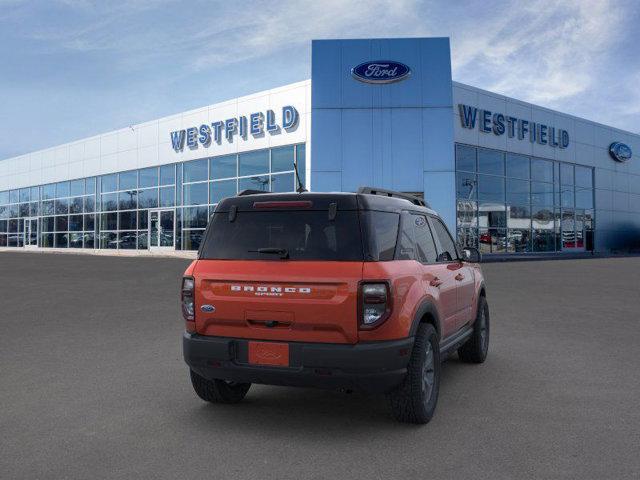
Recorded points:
(517, 166)
(584, 197)
(148, 177)
(196, 217)
(541, 170)
(490, 161)
(584, 177)
(62, 189)
(465, 158)
(128, 220)
(306, 235)
(566, 174)
(167, 196)
(254, 183)
(282, 183)
(196, 170)
(447, 251)
(167, 175)
(196, 194)
(223, 167)
(381, 234)
(541, 193)
(466, 185)
(128, 180)
(76, 205)
(90, 185)
(127, 200)
(491, 188)
(109, 183)
(424, 240)
(25, 194)
(282, 159)
(148, 198)
(223, 189)
(109, 201)
(252, 163)
(76, 187)
(301, 161)
(517, 191)
(62, 206)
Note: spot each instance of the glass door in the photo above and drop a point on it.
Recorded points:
(30, 232)
(162, 229)
(572, 227)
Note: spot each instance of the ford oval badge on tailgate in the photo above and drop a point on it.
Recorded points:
(208, 308)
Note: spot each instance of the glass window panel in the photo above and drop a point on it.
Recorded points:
(224, 167)
(143, 239)
(13, 210)
(490, 161)
(4, 211)
(75, 205)
(195, 170)
(517, 192)
(48, 224)
(35, 194)
(518, 240)
(492, 215)
(109, 221)
(89, 222)
(566, 174)
(62, 189)
(128, 180)
(24, 210)
(128, 240)
(251, 163)
(108, 240)
(541, 193)
(492, 240)
(254, 183)
(179, 185)
(283, 183)
(517, 166)
(3, 226)
(109, 183)
(128, 220)
(584, 177)
(168, 175)
(223, 189)
(466, 186)
(89, 240)
(282, 159)
(62, 206)
(13, 226)
(48, 192)
(167, 195)
(109, 201)
(192, 239)
(24, 195)
(75, 223)
(465, 158)
(584, 197)
(62, 240)
(148, 177)
(3, 240)
(14, 196)
(33, 209)
(566, 194)
(542, 218)
(519, 217)
(491, 188)
(544, 240)
(89, 204)
(90, 185)
(568, 228)
(196, 194)
(46, 240)
(301, 161)
(62, 223)
(75, 240)
(541, 170)
(196, 217)
(467, 214)
(127, 200)
(148, 198)
(76, 187)
(143, 219)
(4, 198)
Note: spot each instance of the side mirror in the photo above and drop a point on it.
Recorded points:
(471, 255)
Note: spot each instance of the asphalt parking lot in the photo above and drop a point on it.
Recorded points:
(92, 385)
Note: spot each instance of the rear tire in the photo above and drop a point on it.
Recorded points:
(218, 391)
(414, 401)
(476, 348)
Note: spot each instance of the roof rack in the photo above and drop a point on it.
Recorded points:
(249, 191)
(392, 193)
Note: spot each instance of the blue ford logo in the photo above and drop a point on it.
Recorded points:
(620, 151)
(208, 308)
(380, 71)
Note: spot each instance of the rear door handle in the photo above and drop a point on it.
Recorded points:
(459, 277)
(436, 282)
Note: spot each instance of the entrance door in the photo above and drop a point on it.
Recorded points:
(162, 229)
(572, 227)
(30, 232)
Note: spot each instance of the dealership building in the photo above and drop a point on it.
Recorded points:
(507, 176)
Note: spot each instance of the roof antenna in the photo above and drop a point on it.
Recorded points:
(300, 188)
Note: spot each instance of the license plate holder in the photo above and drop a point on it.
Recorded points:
(269, 353)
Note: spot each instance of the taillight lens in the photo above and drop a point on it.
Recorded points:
(188, 284)
(375, 305)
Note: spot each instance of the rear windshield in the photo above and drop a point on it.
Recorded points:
(272, 235)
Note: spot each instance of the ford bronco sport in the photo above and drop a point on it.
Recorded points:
(356, 291)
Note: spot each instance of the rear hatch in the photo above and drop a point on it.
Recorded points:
(283, 270)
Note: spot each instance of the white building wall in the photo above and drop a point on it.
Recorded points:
(149, 144)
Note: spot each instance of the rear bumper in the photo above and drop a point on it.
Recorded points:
(369, 367)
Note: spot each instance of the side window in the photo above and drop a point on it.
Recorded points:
(424, 241)
(406, 242)
(447, 252)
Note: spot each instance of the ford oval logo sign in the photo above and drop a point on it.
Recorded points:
(620, 151)
(380, 71)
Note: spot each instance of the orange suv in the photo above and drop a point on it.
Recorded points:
(356, 291)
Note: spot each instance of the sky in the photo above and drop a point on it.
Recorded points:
(70, 69)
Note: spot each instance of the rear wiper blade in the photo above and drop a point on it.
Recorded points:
(283, 252)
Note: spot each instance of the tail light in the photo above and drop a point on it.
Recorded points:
(188, 284)
(375, 304)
